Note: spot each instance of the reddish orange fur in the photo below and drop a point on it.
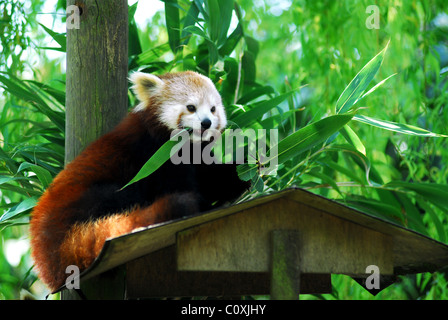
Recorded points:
(67, 229)
(56, 243)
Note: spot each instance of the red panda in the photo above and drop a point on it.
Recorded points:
(85, 204)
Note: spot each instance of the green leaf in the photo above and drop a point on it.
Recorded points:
(256, 93)
(192, 29)
(150, 55)
(379, 84)
(229, 84)
(359, 84)
(59, 95)
(158, 158)
(172, 24)
(7, 161)
(300, 141)
(42, 174)
(310, 136)
(376, 208)
(350, 153)
(350, 173)
(225, 10)
(133, 39)
(325, 179)
(436, 193)
(353, 139)
(231, 41)
(60, 38)
(258, 184)
(246, 171)
(211, 46)
(200, 6)
(23, 206)
(397, 127)
(247, 118)
(435, 219)
(6, 179)
(249, 67)
(28, 92)
(213, 19)
(189, 20)
(411, 213)
(213, 52)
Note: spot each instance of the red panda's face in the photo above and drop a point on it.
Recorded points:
(185, 100)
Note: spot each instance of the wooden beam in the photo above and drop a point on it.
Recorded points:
(285, 265)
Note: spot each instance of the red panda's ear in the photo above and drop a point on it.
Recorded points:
(145, 85)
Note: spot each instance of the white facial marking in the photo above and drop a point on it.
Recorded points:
(201, 94)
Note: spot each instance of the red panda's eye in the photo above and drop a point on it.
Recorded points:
(191, 108)
(213, 109)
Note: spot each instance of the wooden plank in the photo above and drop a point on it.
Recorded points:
(285, 265)
(240, 242)
(155, 275)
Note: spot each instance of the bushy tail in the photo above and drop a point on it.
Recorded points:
(83, 241)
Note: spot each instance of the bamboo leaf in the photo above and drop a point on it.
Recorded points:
(359, 84)
(231, 41)
(379, 84)
(23, 206)
(22, 90)
(133, 39)
(42, 174)
(435, 219)
(351, 174)
(353, 139)
(310, 136)
(397, 127)
(214, 19)
(150, 55)
(225, 9)
(437, 194)
(57, 94)
(300, 141)
(60, 38)
(376, 208)
(172, 24)
(189, 20)
(256, 93)
(247, 118)
(325, 179)
(158, 158)
(412, 214)
(246, 171)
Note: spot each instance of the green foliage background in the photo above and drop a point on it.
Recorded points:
(287, 65)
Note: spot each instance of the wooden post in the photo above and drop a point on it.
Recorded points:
(285, 268)
(96, 93)
(97, 68)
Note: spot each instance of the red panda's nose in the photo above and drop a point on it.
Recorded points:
(206, 123)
